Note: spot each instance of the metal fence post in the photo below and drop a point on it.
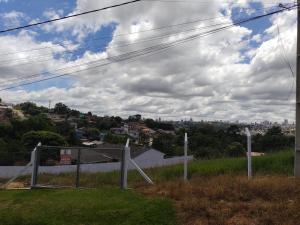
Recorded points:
(124, 165)
(185, 157)
(78, 168)
(249, 155)
(35, 165)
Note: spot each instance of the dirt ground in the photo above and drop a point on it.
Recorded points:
(232, 200)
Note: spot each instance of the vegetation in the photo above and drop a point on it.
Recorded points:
(106, 206)
(274, 164)
(218, 192)
(58, 126)
(232, 200)
(208, 141)
(158, 125)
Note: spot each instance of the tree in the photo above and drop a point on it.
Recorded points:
(115, 139)
(235, 149)
(34, 123)
(5, 129)
(92, 133)
(6, 159)
(273, 140)
(61, 109)
(274, 131)
(31, 108)
(207, 153)
(158, 125)
(32, 138)
(165, 144)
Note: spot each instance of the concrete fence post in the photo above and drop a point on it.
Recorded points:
(35, 166)
(249, 153)
(126, 159)
(124, 165)
(185, 172)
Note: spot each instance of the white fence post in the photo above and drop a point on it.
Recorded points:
(34, 163)
(124, 165)
(126, 158)
(249, 155)
(185, 157)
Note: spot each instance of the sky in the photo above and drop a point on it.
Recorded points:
(241, 73)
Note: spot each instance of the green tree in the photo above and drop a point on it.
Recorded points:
(31, 108)
(61, 109)
(235, 149)
(92, 133)
(32, 138)
(34, 123)
(115, 139)
(165, 144)
(6, 158)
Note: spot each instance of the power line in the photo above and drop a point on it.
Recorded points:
(140, 52)
(154, 49)
(209, 2)
(24, 61)
(70, 16)
(143, 40)
(63, 44)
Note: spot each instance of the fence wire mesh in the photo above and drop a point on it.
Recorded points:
(77, 167)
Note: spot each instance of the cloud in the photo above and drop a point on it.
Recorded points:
(13, 18)
(221, 76)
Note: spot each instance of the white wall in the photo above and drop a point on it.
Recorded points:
(149, 159)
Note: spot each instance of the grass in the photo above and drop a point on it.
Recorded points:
(277, 163)
(232, 200)
(106, 206)
(218, 192)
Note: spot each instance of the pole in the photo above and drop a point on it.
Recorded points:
(297, 136)
(185, 157)
(141, 171)
(124, 165)
(35, 165)
(249, 153)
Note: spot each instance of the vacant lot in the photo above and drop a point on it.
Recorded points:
(218, 193)
(83, 207)
(232, 200)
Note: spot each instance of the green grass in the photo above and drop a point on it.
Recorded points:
(109, 205)
(277, 163)
(106, 206)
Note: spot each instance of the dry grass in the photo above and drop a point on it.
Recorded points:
(232, 200)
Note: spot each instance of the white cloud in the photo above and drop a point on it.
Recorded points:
(208, 78)
(12, 18)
